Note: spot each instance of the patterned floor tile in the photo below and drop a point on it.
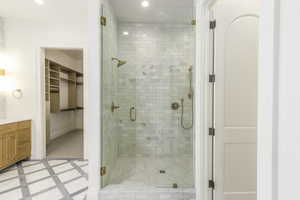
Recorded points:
(27, 163)
(34, 168)
(37, 176)
(41, 185)
(80, 163)
(80, 196)
(62, 168)
(67, 180)
(56, 162)
(76, 185)
(8, 175)
(10, 184)
(64, 177)
(53, 194)
(11, 195)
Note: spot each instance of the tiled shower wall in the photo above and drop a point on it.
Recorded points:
(156, 75)
(110, 126)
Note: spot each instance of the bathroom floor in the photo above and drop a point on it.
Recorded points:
(45, 180)
(67, 180)
(161, 172)
(69, 145)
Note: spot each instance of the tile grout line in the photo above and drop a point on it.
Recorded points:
(58, 183)
(85, 175)
(78, 168)
(24, 185)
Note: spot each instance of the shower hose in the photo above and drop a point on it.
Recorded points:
(182, 113)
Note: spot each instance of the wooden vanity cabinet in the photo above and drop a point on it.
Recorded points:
(15, 143)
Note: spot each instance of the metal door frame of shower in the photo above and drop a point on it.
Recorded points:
(267, 98)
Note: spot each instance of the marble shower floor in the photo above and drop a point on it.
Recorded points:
(162, 172)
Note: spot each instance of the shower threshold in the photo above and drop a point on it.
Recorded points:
(126, 192)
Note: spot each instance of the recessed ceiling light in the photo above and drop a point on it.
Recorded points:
(125, 33)
(40, 2)
(145, 4)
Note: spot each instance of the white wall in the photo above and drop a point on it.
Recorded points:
(289, 102)
(23, 40)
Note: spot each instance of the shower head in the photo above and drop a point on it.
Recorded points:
(120, 62)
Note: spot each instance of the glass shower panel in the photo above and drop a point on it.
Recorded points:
(155, 149)
(110, 104)
(129, 113)
(148, 78)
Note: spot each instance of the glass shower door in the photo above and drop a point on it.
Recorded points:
(109, 118)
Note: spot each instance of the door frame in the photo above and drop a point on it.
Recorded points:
(41, 107)
(267, 130)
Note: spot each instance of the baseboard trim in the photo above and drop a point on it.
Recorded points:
(93, 194)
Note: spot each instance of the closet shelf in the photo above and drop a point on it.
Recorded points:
(71, 109)
(53, 78)
(56, 73)
(65, 79)
(51, 70)
(67, 109)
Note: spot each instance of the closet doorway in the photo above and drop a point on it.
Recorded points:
(64, 103)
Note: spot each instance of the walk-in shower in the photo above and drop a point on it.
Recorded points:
(148, 140)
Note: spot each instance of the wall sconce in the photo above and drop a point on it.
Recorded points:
(18, 94)
(2, 80)
(2, 72)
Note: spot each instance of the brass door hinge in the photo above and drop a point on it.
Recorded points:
(193, 22)
(103, 21)
(211, 184)
(103, 171)
(212, 131)
(212, 78)
(213, 24)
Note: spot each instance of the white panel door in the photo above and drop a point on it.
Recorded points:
(236, 58)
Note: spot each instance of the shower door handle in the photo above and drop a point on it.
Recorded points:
(133, 119)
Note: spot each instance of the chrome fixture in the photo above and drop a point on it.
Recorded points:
(133, 119)
(120, 62)
(114, 107)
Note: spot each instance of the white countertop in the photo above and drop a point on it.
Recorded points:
(8, 121)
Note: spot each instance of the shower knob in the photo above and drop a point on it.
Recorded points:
(175, 106)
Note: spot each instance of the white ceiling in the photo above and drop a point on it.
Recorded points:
(76, 54)
(52, 10)
(159, 11)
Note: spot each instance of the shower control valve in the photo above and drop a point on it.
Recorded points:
(114, 107)
(175, 106)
